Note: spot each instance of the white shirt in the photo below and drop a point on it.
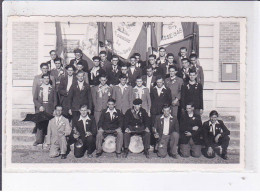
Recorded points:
(80, 84)
(84, 119)
(139, 91)
(58, 119)
(149, 82)
(94, 71)
(111, 112)
(45, 92)
(159, 90)
(132, 69)
(213, 127)
(166, 125)
(70, 78)
(122, 87)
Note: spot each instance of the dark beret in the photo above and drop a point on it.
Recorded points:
(96, 57)
(70, 66)
(137, 101)
(77, 50)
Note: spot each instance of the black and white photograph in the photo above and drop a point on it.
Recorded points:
(126, 90)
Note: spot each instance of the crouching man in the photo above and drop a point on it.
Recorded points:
(190, 133)
(110, 123)
(85, 129)
(136, 123)
(58, 129)
(166, 129)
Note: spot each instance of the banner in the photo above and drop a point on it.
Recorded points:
(125, 35)
(89, 44)
(171, 32)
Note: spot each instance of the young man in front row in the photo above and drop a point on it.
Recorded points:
(58, 128)
(215, 134)
(84, 127)
(166, 130)
(137, 122)
(192, 92)
(110, 122)
(190, 133)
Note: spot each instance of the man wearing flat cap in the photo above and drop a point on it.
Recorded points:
(136, 123)
(95, 72)
(78, 59)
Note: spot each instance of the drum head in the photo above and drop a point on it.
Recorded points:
(109, 144)
(136, 144)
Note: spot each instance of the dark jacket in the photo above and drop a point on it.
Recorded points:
(94, 80)
(159, 101)
(208, 136)
(186, 124)
(142, 65)
(159, 124)
(183, 75)
(141, 119)
(106, 123)
(164, 68)
(113, 76)
(82, 61)
(153, 82)
(63, 90)
(158, 71)
(90, 126)
(200, 75)
(132, 76)
(79, 97)
(192, 93)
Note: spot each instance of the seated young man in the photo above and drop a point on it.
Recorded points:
(84, 128)
(190, 133)
(110, 122)
(166, 131)
(137, 122)
(215, 134)
(58, 128)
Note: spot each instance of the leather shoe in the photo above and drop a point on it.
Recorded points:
(146, 153)
(90, 155)
(174, 156)
(125, 153)
(35, 144)
(63, 156)
(224, 156)
(118, 155)
(98, 154)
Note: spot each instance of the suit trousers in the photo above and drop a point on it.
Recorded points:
(223, 143)
(97, 115)
(100, 138)
(145, 137)
(58, 147)
(190, 149)
(41, 131)
(88, 145)
(174, 111)
(172, 140)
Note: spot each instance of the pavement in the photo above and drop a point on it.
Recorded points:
(41, 156)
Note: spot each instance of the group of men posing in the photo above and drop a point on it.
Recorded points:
(161, 100)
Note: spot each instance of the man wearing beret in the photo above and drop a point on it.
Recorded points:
(95, 72)
(137, 123)
(78, 58)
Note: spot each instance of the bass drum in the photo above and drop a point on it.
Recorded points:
(109, 144)
(136, 144)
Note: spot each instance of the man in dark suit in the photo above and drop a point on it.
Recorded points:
(51, 62)
(79, 94)
(166, 131)
(149, 80)
(184, 71)
(65, 86)
(139, 63)
(157, 70)
(182, 55)
(114, 72)
(104, 63)
(95, 72)
(137, 122)
(84, 128)
(192, 92)
(162, 56)
(199, 69)
(124, 71)
(110, 122)
(78, 59)
(133, 71)
(190, 133)
(165, 66)
(160, 95)
(215, 134)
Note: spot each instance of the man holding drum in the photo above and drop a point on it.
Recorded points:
(136, 123)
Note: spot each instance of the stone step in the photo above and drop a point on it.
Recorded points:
(17, 122)
(22, 129)
(225, 118)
